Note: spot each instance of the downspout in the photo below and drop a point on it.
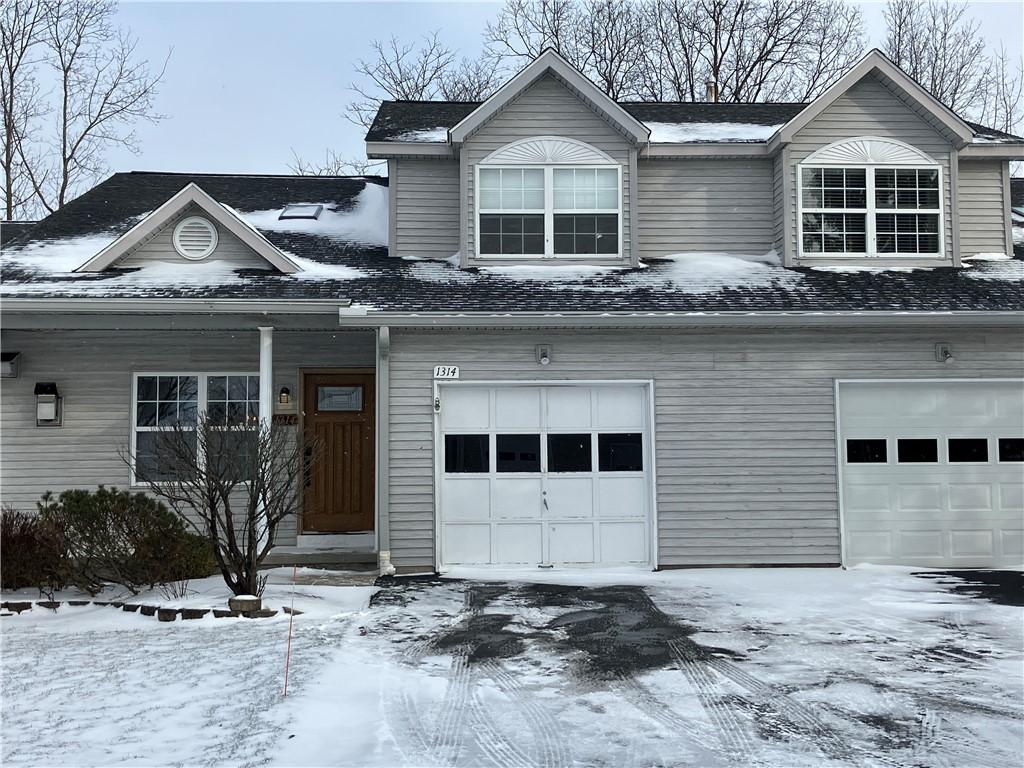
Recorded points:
(383, 432)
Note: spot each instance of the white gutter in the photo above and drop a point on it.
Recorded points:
(994, 151)
(177, 306)
(671, 319)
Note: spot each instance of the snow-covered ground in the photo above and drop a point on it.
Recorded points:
(759, 667)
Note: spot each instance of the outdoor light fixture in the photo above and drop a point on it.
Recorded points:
(9, 364)
(543, 353)
(943, 352)
(284, 396)
(49, 410)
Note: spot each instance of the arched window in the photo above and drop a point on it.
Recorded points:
(867, 197)
(548, 197)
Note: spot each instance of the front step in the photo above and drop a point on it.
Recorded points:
(323, 557)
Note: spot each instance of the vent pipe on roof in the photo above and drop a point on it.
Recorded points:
(712, 87)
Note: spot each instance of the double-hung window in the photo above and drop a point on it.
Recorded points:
(553, 211)
(164, 401)
(870, 211)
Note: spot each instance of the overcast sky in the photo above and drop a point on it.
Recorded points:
(248, 82)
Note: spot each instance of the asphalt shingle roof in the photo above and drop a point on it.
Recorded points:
(379, 281)
(396, 119)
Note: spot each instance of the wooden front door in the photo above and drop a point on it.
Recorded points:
(338, 412)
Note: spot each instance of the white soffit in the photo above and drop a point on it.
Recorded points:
(869, 150)
(550, 61)
(191, 194)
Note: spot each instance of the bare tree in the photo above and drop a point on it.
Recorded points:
(403, 71)
(333, 164)
(415, 72)
(233, 484)
(22, 103)
(1003, 107)
(754, 50)
(101, 91)
(605, 39)
(940, 45)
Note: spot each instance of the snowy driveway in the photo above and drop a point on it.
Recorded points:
(786, 667)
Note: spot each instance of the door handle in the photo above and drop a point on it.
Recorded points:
(544, 498)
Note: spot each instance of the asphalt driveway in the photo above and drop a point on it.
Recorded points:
(520, 674)
(729, 667)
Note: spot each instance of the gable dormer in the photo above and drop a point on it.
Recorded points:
(547, 166)
(192, 228)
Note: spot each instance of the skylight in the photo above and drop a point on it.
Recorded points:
(300, 211)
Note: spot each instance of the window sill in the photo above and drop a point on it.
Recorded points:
(873, 262)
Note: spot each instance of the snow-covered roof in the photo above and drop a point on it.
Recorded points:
(342, 256)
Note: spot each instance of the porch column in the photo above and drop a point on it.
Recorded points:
(266, 388)
(266, 375)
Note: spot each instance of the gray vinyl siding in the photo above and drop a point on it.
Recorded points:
(704, 205)
(93, 371)
(869, 108)
(546, 108)
(745, 424)
(427, 208)
(778, 203)
(982, 220)
(160, 247)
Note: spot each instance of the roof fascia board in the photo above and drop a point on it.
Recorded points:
(380, 150)
(710, 149)
(176, 306)
(188, 195)
(669, 319)
(994, 151)
(549, 61)
(874, 60)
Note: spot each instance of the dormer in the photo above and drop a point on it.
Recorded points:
(189, 230)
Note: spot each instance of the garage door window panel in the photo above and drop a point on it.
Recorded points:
(569, 453)
(518, 453)
(1011, 449)
(620, 452)
(917, 450)
(466, 454)
(969, 450)
(867, 451)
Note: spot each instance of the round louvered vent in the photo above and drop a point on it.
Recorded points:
(195, 238)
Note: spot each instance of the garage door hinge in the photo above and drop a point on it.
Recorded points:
(437, 405)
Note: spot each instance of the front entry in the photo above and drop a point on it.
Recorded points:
(338, 413)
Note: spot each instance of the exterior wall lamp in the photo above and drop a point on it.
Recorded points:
(9, 364)
(943, 352)
(49, 405)
(543, 354)
(284, 397)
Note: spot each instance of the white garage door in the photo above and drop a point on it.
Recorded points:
(544, 475)
(933, 473)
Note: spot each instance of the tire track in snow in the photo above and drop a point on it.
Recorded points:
(552, 752)
(801, 719)
(732, 731)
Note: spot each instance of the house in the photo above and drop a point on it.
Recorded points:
(567, 331)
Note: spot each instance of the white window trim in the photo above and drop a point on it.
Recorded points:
(870, 212)
(548, 212)
(201, 402)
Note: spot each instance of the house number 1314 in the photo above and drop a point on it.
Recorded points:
(446, 371)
